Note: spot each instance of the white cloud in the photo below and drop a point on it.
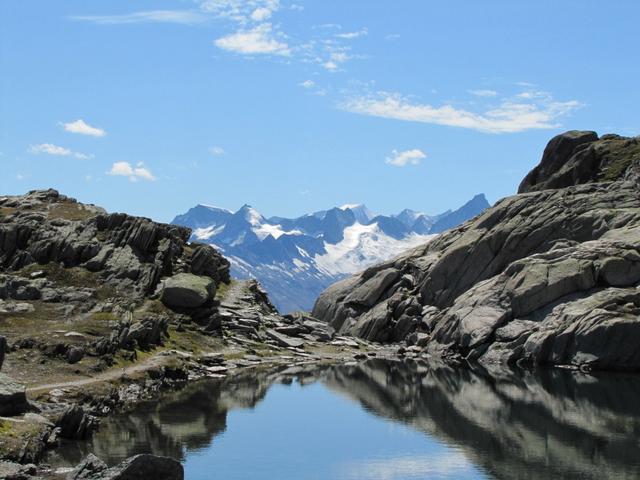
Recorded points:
(307, 84)
(184, 17)
(484, 93)
(408, 157)
(83, 128)
(261, 14)
(216, 151)
(241, 11)
(125, 169)
(20, 176)
(296, 7)
(507, 117)
(259, 40)
(392, 36)
(331, 66)
(351, 35)
(51, 149)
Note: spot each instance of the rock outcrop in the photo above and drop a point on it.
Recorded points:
(548, 276)
(128, 253)
(134, 468)
(73, 269)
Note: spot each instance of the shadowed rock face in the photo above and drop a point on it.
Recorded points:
(512, 424)
(548, 276)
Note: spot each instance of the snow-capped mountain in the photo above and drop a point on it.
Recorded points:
(297, 258)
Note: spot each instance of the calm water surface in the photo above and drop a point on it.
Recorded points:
(388, 421)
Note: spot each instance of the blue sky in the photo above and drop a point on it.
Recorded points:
(151, 107)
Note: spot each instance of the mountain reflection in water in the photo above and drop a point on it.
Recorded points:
(499, 424)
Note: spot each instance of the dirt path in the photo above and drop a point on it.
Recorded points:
(233, 296)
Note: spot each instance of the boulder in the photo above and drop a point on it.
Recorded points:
(13, 397)
(186, 290)
(75, 354)
(90, 467)
(75, 423)
(138, 467)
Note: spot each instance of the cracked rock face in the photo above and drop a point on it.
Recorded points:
(129, 253)
(548, 276)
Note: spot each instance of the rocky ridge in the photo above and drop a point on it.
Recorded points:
(549, 276)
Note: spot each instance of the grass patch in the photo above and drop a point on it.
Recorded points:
(623, 154)
(14, 435)
(222, 289)
(70, 211)
(151, 306)
(104, 317)
(69, 277)
(6, 211)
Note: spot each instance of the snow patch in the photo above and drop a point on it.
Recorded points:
(363, 246)
(207, 233)
(265, 229)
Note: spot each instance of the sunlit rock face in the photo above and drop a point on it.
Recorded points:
(548, 276)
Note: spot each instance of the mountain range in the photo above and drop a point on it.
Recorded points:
(297, 258)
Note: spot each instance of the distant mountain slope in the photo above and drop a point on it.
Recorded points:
(297, 258)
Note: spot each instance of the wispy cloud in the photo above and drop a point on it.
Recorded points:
(241, 11)
(307, 84)
(484, 93)
(184, 17)
(216, 151)
(408, 157)
(335, 56)
(83, 128)
(259, 40)
(350, 35)
(51, 149)
(125, 169)
(508, 116)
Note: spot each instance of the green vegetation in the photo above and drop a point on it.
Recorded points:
(14, 435)
(70, 277)
(222, 289)
(104, 317)
(623, 156)
(5, 211)
(151, 306)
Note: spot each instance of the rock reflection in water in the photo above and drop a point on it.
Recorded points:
(554, 424)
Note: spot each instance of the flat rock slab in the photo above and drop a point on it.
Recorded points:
(13, 397)
(284, 340)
